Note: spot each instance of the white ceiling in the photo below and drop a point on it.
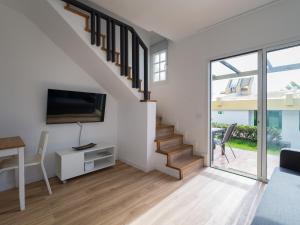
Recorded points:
(176, 19)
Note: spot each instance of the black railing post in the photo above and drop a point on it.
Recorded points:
(126, 52)
(113, 42)
(137, 61)
(108, 39)
(133, 37)
(146, 94)
(93, 33)
(122, 50)
(98, 30)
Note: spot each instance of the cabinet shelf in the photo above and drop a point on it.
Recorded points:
(97, 155)
(100, 164)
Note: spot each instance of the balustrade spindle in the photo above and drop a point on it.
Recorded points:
(126, 52)
(108, 39)
(133, 60)
(122, 49)
(98, 30)
(93, 28)
(113, 41)
(137, 62)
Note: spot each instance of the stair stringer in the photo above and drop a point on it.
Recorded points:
(160, 164)
(67, 32)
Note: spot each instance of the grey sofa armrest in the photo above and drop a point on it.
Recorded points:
(290, 159)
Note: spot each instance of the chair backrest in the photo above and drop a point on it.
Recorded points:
(42, 147)
(228, 133)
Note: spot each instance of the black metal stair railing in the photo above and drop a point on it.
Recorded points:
(111, 23)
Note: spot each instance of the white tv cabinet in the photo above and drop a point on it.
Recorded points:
(71, 163)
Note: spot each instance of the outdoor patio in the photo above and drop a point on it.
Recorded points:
(245, 161)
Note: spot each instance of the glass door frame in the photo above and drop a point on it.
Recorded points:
(264, 157)
(261, 106)
(260, 116)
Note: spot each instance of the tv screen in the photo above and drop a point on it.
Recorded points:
(73, 107)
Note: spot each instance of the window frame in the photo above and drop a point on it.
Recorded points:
(153, 64)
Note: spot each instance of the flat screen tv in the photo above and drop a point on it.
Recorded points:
(73, 107)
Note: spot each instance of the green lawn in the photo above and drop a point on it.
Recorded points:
(251, 146)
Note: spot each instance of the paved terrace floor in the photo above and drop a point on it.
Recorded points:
(245, 161)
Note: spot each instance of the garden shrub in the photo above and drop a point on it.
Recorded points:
(250, 133)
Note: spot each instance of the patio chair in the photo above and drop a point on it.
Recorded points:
(226, 138)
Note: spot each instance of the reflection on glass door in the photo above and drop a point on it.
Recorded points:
(234, 113)
(283, 103)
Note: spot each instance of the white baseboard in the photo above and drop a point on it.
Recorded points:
(144, 169)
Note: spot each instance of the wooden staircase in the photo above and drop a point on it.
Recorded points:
(179, 155)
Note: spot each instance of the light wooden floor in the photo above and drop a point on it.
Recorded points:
(124, 195)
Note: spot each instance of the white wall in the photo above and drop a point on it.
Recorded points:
(30, 64)
(184, 99)
(229, 117)
(136, 134)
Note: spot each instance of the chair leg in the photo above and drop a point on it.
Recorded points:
(231, 150)
(223, 150)
(46, 179)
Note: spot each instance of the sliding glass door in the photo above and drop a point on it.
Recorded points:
(283, 102)
(234, 105)
(254, 109)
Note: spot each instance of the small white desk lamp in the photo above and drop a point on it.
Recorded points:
(80, 131)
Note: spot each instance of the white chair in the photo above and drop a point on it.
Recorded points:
(32, 160)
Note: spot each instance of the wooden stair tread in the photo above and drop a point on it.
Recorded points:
(163, 126)
(116, 53)
(76, 11)
(175, 149)
(185, 162)
(173, 136)
(148, 100)
(142, 91)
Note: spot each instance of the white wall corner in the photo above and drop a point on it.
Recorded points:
(136, 134)
(151, 134)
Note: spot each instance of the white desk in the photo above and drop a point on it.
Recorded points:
(15, 146)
